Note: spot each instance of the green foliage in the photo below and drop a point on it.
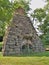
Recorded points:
(39, 14)
(22, 3)
(1, 43)
(42, 15)
(5, 15)
(6, 12)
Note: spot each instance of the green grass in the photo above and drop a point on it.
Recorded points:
(32, 59)
(35, 59)
(24, 61)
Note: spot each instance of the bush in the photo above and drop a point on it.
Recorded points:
(1, 46)
(0, 49)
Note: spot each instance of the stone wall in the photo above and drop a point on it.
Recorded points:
(21, 37)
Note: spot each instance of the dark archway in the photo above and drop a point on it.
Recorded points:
(27, 48)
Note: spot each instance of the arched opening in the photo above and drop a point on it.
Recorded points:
(27, 48)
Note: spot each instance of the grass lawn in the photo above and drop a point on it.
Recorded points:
(42, 59)
(33, 59)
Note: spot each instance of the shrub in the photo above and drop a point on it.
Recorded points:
(1, 46)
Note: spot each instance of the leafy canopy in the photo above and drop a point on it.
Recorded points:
(6, 12)
(42, 15)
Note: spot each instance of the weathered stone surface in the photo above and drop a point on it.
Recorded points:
(21, 37)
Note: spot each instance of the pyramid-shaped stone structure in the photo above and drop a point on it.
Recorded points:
(21, 37)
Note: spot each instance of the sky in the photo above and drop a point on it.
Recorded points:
(37, 4)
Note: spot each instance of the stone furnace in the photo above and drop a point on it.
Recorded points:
(20, 36)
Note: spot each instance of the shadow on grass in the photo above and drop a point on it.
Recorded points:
(41, 54)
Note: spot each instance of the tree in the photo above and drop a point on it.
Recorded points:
(23, 3)
(6, 12)
(42, 15)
